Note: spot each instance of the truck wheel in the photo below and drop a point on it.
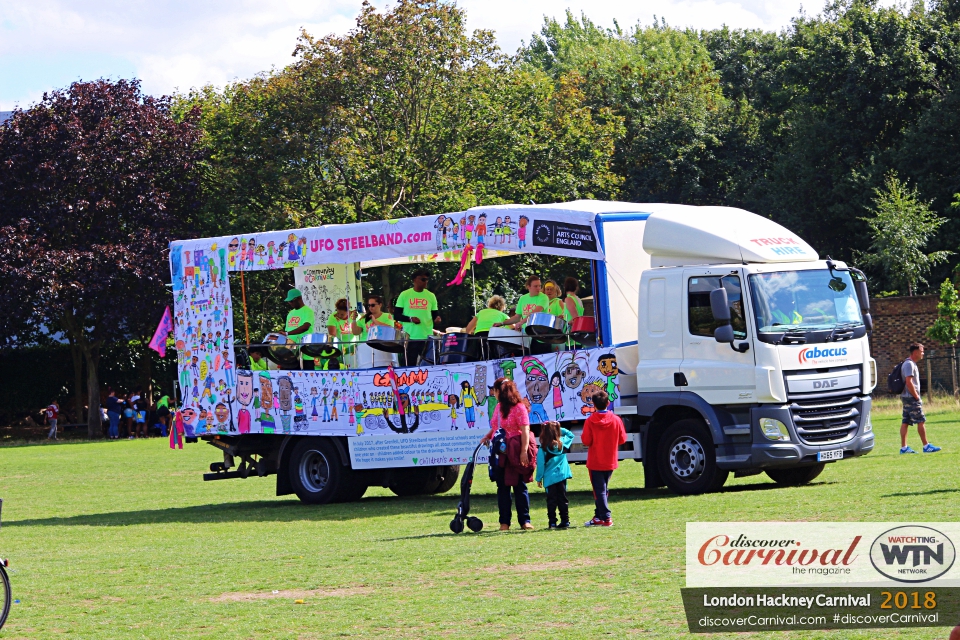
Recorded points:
(316, 474)
(450, 475)
(796, 476)
(688, 459)
(416, 481)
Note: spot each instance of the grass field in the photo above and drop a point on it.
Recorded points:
(124, 540)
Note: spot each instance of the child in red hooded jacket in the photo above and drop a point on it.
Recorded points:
(603, 433)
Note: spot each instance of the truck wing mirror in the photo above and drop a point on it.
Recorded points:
(720, 305)
(863, 297)
(724, 333)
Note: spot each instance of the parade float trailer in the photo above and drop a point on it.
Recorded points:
(725, 342)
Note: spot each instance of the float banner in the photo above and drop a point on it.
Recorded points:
(416, 450)
(558, 232)
(366, 402)
(751, 576)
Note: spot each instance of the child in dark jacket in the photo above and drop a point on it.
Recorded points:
(553, 471)
(603, 433)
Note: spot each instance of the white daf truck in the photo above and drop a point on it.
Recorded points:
(747, 353)
(737, 349)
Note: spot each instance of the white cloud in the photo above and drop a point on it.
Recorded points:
(178, 44)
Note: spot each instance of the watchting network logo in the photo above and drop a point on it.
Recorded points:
(912, 554)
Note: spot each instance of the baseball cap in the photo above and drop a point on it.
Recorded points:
(292, 295)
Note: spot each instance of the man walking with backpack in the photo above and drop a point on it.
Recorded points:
(912, 404)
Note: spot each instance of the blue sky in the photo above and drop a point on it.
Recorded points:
(173, 45)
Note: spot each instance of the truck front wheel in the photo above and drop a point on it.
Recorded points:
(316, 474)
(688, 459)
(796, 476)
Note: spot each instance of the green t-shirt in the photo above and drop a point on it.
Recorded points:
(384, 318)
(527, 302)
(486, 318)
(555, 308)
(258, 366)
(299, 317)
(164, 402)
(342, 327)
(576, 303)
(421, 305)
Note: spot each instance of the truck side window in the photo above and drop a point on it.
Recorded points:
(701, 317)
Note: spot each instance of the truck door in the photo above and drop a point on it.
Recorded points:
(713, 370)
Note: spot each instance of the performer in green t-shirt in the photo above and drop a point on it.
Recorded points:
(299, 318)
(340, 325)
(486, 318)
(572, 305)
(534, 301)
(374, 316)
(416, 308)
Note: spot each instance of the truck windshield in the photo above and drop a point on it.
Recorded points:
(804, 300)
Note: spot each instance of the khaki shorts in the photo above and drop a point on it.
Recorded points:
(912, 411)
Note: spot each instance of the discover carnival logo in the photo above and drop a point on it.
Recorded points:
(912, 554)
(816, 355)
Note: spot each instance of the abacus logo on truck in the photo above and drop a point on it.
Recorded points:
(811, 354)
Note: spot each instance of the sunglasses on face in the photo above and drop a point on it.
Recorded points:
(233, 245)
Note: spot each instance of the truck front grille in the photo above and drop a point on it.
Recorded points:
(827, 420)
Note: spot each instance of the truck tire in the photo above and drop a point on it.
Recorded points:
(449, 474)
(315, 472)
(688, 459)
(418, 481)
(796, 476)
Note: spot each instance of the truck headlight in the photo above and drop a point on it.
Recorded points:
(774, 430)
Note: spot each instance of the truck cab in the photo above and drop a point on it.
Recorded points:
(751, 354)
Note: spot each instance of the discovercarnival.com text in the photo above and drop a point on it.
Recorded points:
(819, 621)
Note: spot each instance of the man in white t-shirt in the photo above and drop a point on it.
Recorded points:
(912, 404)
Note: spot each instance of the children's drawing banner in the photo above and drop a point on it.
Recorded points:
(426, 449)
(561, 233)
(442, 398)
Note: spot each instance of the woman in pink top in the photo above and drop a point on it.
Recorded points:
(512, 416)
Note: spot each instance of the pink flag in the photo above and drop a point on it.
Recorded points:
(159, 341)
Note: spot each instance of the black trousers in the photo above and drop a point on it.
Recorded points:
(557, 500)
(412, 353)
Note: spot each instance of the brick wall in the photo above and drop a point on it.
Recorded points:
(896, 323)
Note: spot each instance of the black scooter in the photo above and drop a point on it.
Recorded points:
(474, 523)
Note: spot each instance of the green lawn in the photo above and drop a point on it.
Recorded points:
(124, 540)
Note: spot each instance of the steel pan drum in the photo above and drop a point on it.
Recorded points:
(505, 343)
(457, 348)
(370, 358)
(431, 351)
(386, 338)
(283, 350)
(584, 330)
(547, 327)
(318, 345)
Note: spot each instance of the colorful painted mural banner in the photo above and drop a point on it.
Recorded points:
(442, 398)
(561, 233)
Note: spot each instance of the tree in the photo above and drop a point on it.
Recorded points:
(661, 83)
(95, 181)
(900, 230)
(946, 328)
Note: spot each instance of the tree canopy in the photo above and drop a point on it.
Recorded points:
(96, 180)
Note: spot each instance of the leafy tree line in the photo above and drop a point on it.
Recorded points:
(843, 127)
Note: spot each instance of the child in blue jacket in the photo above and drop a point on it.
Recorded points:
(553, 471)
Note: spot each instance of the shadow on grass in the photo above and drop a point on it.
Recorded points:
(290, 510)
(929, 492)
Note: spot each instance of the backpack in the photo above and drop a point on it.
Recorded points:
(895, 382)
(498, 447)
